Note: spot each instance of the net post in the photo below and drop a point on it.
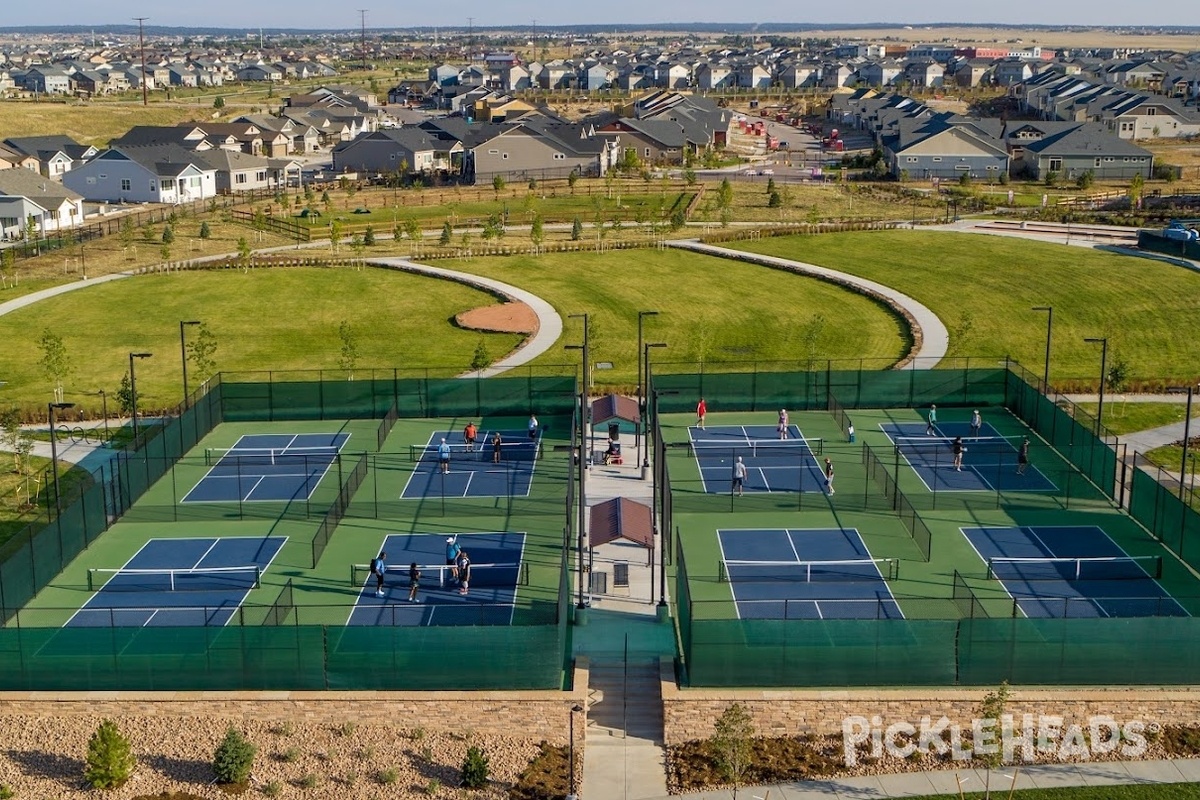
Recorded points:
(90, 583)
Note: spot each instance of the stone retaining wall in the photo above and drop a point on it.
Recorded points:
(689, 714)
(536, 714)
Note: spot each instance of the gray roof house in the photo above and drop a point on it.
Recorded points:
(412, 150)
(24, 193)
(150, 174)
(55, 154)
(939, 148)
(235, 171)
(1086, 147)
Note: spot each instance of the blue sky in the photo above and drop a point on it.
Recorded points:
(323, 14)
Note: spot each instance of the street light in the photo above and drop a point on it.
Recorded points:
(1049, 328)
(575, 709)
(662, 610)
(584, 461)
(104, 410)
(1103, 342)
(641, 392)
(133, 391)
(51, 407)
(648, 417)
(183, 353)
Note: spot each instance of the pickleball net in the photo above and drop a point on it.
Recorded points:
(858, 569)
(1105, 568)
(444, 576)
(760, 448)
(197, 579)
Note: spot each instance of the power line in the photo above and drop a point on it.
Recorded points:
(362, 12)
(142, 50)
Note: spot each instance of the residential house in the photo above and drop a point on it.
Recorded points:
(752, 76)
(598, 76)
(946, 148)
(924, 74)
(187, 77)
(715, 76)
(259, 72)
(24, 193)
(55, 154)
(654, 141)
(148, 174)
(799, 75)
(969, 73)
(45, 79)
(407, 150)
(1086, 147)
(836, 75)
(444, 74)
(1150, 116)
(880, 73)
(1012, 70)
(236, 171)
(557, 75)
(672, 75)
(301, 138)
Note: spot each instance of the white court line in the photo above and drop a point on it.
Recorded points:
(732, 583)
(1016, 603)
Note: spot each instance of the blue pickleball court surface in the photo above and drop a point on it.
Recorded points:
(474, 472)
(268, 467)
(772, 464)
(989, 461)
(816, 573)
(496, 575)
(166, 583)
(1072, 571)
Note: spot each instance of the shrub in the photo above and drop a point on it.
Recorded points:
(6, 791)
(369, 236)
(205, 231)
(110, 759)
(283, 729)
(168, 235)
(475, 769)
(273, 789)
(348, 728)
(387, 776)
(308, 781)
(432, 787)
(290, 756)
(234, 757)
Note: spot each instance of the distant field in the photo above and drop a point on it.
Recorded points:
(89, 123)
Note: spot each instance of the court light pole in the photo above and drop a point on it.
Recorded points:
(1049, 329)
(52, 407)
(1103, 342)
(641, 389)
(104, 410)
(1187, 432)
(648, 417)
(133, 391)
(183, 353)
(584, 463)
(663, 612)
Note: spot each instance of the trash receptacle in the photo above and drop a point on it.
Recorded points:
(614, 431)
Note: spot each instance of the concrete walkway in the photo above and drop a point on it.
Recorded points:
(930, 337)
(550, 324)
(947, 782)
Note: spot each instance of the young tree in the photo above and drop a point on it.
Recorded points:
(202, 348)
(124, 396)
(412, 229)
(165, 252)
(991, 710)
(576, 229)
(11, 436)
(219, 102)
(369, 236)
(536, 233)
(110, 759)
(447, 234)
(336, 233)
(234, 758)
(244, 251)
(55, 360)
(481, 359)
(689, 176)
(349, 355)
(205, 231)
(168, 235)
(774, 200)
(498, 184)
(732, 743)
(8, 265)
(811, 336)
(126, 234)
(573, 179)
(770, 186)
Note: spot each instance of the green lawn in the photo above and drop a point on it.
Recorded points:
(281, 319)
(1122, 417)
(1157, 791)
(983, 288)
(711, 309)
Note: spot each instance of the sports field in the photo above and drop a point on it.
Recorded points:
(909, 566)
(244, 561)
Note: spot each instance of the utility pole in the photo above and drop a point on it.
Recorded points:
(142, 50)
(470, 40)
(362, 13)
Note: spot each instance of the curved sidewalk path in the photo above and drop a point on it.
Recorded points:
(930, 337)
(550, 324)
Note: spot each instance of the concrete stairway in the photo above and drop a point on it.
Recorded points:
(623, 756)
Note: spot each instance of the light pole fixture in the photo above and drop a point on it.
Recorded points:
(1103, 342)
(1049, 328)
(575, 709)
(648, 417)
(584, 463)
(104, 410)
(641, 389)
(183, 353)
(1187, 432)
(52, 407)
(662, 540)
(133, 391)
